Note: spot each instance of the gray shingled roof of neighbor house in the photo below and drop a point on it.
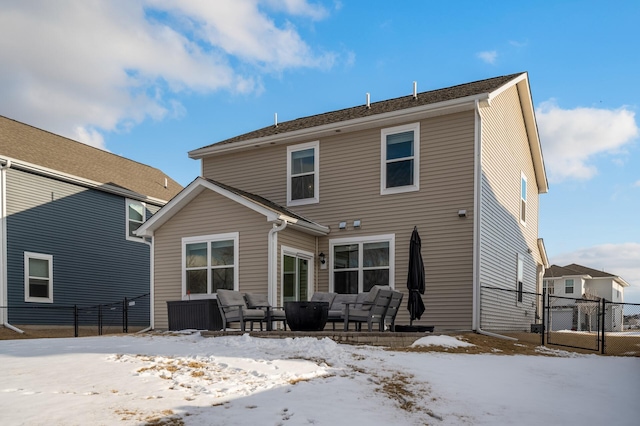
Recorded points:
(574, 269)
(375, 108)
(19, 141)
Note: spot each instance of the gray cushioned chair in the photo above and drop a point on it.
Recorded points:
(272, 313)
(337, 308)
(369, 312)
(233, 308)
(392, 309)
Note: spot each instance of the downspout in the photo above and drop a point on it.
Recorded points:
(4, 298)
(151, 286)
(477, 209)
(272, 261)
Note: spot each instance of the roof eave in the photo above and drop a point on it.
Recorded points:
(453, 105)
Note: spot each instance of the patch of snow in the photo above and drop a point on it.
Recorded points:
(442, 340)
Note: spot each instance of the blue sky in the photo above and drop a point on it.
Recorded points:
(153, 79)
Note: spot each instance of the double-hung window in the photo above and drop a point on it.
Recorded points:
(568, 286)
(400, 163)
(136, 216)
(209, 263)
(302, 174)
(38, 277)
(523, 199)
(359, 264)
(548, 285)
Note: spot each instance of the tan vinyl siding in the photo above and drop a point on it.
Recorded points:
(208, 214)
(505, 155)
(350, 165)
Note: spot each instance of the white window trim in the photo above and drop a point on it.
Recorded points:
(316, 171)
(573, 286)
(523, 178)
(390, 238)
(235, 236)
(47, 257)
(129, 201)
(308, 256)
(415, 127)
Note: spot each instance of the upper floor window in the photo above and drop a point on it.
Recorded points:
(400, 164)
(568, 286)
(302, 174)
(359, 264)
(523, 199)
(136, 216)
(209, 263)
(548, 285)
(38, 277)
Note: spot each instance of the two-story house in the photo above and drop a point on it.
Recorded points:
(575, 292)
(328, 203)
(68, 213)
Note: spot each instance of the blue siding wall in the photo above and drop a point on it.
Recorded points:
(85, 232)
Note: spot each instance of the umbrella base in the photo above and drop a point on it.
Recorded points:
(414, 328)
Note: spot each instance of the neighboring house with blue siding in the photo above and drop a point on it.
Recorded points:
(68, 213)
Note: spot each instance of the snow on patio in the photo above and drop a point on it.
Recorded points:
(186, 379)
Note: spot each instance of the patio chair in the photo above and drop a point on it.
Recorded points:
(272, 313)
(338, 306)
(233, 308)
(369, 312)
(392, 309)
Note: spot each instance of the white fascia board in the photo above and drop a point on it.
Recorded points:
(543, 253)
(76, 180)
(199, 185)
(532, 131)
(454, 105)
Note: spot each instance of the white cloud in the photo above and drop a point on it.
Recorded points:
(572, 138)
(622, 260)
(489, 56)
(80, 68)
(637, 184)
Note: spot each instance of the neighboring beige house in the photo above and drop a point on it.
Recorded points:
(328, 203)
(565, 284)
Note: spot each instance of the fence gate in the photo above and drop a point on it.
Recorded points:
(574, 323)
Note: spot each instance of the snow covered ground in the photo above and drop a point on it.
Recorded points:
(186, 379)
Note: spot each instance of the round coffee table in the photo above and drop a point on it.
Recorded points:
(306, 316)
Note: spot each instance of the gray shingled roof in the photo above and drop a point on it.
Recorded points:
(423, 98)
(555, 271)
(262, 201)
(23, 142)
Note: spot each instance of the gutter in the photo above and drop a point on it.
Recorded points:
(151, 245)
(477, 213)
(272, 261)
(4, 298)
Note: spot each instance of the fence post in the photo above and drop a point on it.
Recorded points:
(544, 316)
(75, 320)
(125, 316)
(99, 320)
(603, 324)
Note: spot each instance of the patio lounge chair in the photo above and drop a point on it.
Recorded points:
(392, 309)
(233, 308)
(372, 310)
(272, 313)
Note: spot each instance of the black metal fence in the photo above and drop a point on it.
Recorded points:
(591, 324)
(97, 319)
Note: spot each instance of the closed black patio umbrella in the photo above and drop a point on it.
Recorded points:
(415, 280)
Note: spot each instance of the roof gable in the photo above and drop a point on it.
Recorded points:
(574, 270)
(273, 212)
(59, 156)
